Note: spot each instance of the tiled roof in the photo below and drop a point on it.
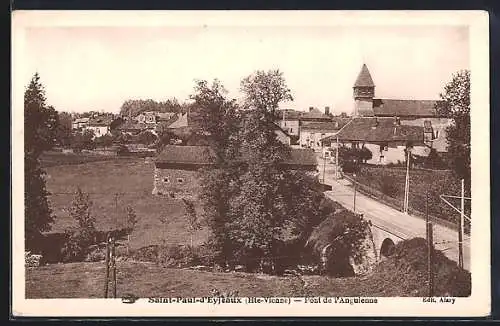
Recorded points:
(320, 125)
(364, 78)
(202, 155)
(101, 121)
(402, 108)
(289, 114)
(378, 130)
(132, 125)
(81, 120)
(164, 116)
(196, 155)
(315, 114)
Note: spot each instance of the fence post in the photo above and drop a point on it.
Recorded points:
(430, 246)
(113, 262)
(106, 281)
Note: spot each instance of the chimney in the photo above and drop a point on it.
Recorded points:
(327, 110)
(311, 108)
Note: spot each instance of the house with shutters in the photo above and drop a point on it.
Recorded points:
(389, 126)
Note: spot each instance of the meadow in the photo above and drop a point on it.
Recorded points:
(113, 185)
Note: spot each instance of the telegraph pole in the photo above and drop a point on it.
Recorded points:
(354, 204)
(337, 160)
(407, 183)
(106, 282)
(461, 228)
(324, 165)
(430, 247)
(113, 266)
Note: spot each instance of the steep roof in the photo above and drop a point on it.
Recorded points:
(378, 130)
(81, 120)
(321, 126)
(101, 121)
(289, 114)
(132, 125)
(196, 155)
(364, 78)
(204, 155)
(315, 114)
(164, 116)
(402, 108)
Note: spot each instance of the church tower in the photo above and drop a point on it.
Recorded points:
(364, 91)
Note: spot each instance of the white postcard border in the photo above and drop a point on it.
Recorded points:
(478, 304)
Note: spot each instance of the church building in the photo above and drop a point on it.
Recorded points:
(388, 126)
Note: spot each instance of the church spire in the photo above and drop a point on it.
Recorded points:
(364, 92)
(364, 78)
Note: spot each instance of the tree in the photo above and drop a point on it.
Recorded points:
(104, 141)
(83, 140)
(455, 104)
(131, 223)
(64, 129)
(81, 238)
(40, 123)
(192, 218)
(135, 107)
(256, 229)
(218, 119)
(147, 137)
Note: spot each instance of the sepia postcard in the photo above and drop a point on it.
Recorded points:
(250, 164)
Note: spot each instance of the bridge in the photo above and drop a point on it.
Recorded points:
(390, 226)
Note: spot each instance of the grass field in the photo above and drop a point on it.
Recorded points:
(85, 280)
(55, 158)
(112, 185)
(402, 274)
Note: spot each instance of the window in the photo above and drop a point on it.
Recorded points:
(180, 180)
(166, 180)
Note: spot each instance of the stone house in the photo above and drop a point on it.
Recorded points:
(177, 168)
(388, 126)
(100, 125)
(386, 138)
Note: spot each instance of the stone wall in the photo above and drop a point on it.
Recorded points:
(176, 183)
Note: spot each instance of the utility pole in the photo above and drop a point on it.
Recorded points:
(407, 183)
(113, 266)
(337, 160)
(324, 165)
(461, 228)
(354, 204)
(106, 281)
(430, 247)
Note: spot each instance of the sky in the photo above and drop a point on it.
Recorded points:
(98, 68)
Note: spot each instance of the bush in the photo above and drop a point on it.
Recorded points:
(388, 186)
(31, 260)
(350, 167)
(96, 255)
(81, 238)
(146, 254)
(434, 161)
(365, 154)
(176, 256)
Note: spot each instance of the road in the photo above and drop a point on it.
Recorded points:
(381, 215)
